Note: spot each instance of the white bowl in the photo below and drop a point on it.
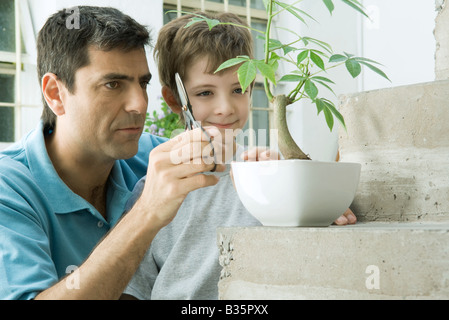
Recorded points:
(296, 192)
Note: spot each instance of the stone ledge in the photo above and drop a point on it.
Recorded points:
(399, 135)
(405, 261)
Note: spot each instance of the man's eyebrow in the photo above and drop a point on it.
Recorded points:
(146, 77)
(119, 76)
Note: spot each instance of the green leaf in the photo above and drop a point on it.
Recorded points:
(329, 4)
(290, 9)
(353, 67)
(247, 74)
(375, 69)
(336, 113)
(355, 5)
(329, 118)
(266, 70)
(303, 55)
(366, 60)
(265, 3)
(232, 62)
(338, 58)
(322, 44)
(322, 79)
(212, 23)
(311, 89)
(292, 78)
(275, 44)
(317, 60)
(274, 61)
(319, 105)
(324, 85)
(193, 21)
(288, 49)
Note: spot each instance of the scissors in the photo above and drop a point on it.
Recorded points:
(190, 121)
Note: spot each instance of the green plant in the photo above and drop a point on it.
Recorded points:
(311, 59)
(166, 124)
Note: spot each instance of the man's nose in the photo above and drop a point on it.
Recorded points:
(137, 100)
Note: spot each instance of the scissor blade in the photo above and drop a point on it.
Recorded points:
(181, 90)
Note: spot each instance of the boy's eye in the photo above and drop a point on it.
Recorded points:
(204, 94)
(112, 85)
(240, 91)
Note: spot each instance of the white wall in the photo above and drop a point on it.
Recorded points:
(400, 36)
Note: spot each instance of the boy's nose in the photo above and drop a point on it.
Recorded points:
(224, 107)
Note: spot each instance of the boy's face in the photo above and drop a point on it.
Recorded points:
(217, 99)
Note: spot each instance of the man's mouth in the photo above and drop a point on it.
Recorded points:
(131, 130)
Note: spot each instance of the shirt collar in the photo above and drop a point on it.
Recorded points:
(59, 195)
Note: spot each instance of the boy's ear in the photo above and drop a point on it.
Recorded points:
(51, 89)
(171, 100)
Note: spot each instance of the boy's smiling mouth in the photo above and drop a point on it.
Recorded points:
(229, 125)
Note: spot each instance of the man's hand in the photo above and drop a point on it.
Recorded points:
(174, 170)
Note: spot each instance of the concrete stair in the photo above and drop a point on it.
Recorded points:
(366, 261)
(400, 247)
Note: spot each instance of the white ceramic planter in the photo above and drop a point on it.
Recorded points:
(296, 193)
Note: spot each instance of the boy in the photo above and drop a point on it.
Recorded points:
(182, 262)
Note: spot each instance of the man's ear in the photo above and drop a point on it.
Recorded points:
(51, 89)
(171, 100)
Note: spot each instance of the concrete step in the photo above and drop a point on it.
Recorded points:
(442, 41)
(399, 135)
(366, 261)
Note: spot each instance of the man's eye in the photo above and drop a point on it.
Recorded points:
(112, 85)
(145, 84)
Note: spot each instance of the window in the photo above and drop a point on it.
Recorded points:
(253, 11)
(19, 111)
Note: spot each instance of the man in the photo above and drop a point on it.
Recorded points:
(63, 187)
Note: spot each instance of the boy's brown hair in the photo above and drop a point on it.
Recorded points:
(178, 47)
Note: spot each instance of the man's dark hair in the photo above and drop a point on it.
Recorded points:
(63, 48)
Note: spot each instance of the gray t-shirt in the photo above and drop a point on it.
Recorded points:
(182, 262)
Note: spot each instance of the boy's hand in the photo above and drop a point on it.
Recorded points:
(347, 218)
(260, 154)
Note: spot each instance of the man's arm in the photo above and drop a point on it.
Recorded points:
(111, 265)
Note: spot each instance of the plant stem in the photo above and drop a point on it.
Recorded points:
(267, 47)
(287, 145)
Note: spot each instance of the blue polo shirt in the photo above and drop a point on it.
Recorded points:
(46, 230)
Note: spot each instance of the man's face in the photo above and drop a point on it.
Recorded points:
(105, 115)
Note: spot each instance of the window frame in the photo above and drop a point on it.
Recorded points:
(24, 39)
